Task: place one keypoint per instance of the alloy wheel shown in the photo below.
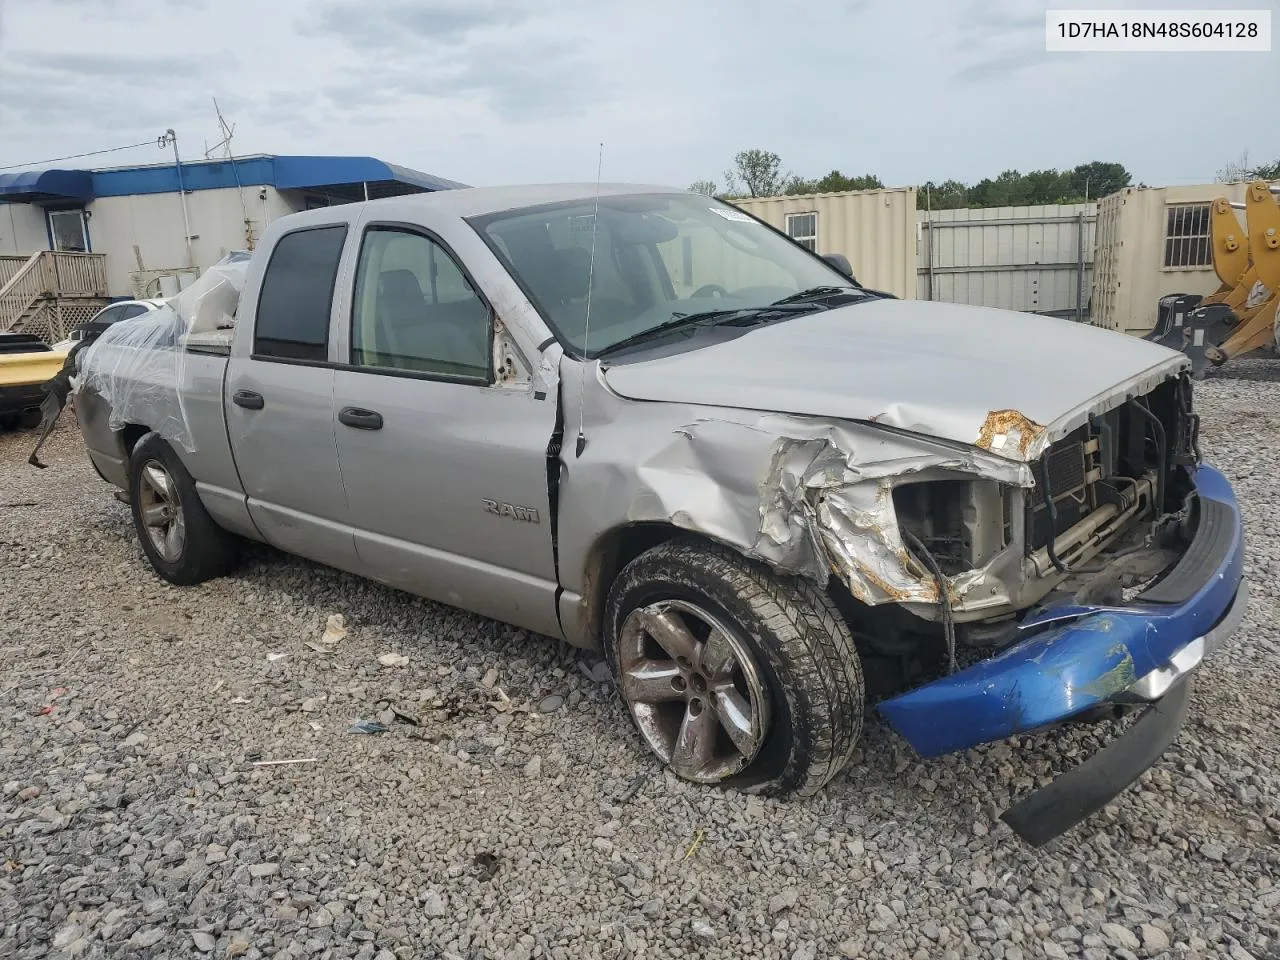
(161, 511)
(694, 690)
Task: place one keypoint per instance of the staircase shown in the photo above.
(51, 291)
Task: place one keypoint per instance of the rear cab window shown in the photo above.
(292, 322)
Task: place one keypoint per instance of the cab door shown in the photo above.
(279, 402)
(445, 469)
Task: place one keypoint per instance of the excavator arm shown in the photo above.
(1255, 295)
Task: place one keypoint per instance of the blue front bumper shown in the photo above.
(1083, 657)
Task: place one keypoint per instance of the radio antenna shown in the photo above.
(586, 326)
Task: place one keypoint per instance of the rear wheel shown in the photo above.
(732, 674)
(177, 534)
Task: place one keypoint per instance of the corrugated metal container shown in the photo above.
(875, 229)
(1153, 242)
(1016, 258)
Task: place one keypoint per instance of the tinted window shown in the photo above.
(293, 308)
(133, 310)
(109, 315)
(416, 310)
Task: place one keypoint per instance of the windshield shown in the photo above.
(657, 258)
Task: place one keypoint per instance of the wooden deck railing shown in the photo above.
(48, 273)
(10, 265)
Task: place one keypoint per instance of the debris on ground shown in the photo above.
(633, 787)
(368, 726)
(393, 660)
(486, 865)
(334, 630)
(405, 717)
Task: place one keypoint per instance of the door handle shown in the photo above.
(248, 399)
(360, 418)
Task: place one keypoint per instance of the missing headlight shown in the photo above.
(963, 523)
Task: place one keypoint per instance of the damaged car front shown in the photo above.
(1009, 512)
(1050, 569)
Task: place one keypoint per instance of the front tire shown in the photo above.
(732, 674)
(177, 534)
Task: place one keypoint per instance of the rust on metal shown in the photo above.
(1004, 430)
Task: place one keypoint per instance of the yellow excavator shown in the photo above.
(1243, 314)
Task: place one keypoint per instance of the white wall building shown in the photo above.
(159, 225)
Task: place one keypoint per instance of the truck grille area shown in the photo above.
(1101, 462)
(1064, 471)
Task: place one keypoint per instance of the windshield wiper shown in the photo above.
(817, 293)
(688, 321)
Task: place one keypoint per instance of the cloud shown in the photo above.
(1001, 66)
(494, 91)
(125, 97)
(998, 39)
(396, 24)
(447, 51)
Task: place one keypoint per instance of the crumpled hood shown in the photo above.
(1004, 381)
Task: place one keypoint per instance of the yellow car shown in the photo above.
(26, 364)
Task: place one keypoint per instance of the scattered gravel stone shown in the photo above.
(146, 937)
(203, 941)
(433, 906)
(1119, 936)
(784, 900)
(1154, 940)
(106, 846)
(703, 932)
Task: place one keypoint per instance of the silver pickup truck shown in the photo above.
(642, 420)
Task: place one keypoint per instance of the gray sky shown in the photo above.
(494, 91)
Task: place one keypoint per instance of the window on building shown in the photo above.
(416, 310)
(803, 229)
(67, 230)
(297, 293)
(1186, 237)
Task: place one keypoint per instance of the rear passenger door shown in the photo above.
(445, 469)
(279, 402)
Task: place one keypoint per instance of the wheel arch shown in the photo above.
(129, 435)
(606, 558)
(618, 546)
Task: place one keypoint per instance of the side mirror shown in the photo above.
(841, 263)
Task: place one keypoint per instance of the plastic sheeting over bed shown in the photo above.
(138, 366)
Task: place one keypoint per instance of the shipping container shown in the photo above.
(875, 229)
(1152, 242)
(1038, 259)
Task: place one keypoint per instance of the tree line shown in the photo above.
(760, 173)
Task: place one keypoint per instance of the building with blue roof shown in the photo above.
(172, 220)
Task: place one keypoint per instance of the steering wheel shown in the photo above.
(710, 290)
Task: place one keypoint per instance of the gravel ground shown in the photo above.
(510, 811)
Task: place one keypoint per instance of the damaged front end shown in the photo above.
(1131, 562)
(1008, 579)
